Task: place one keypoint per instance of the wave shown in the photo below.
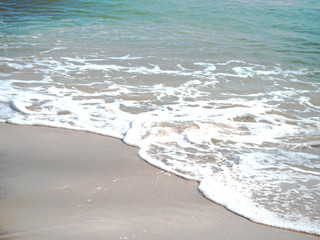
(247, 132)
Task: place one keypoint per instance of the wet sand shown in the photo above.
(62, 184)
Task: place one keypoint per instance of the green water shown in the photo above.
(264, 32)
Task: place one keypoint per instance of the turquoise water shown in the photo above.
(223, 92)
(284, 32)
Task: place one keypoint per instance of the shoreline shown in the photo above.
(65, 184)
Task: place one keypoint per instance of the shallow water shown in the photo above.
(226, 93)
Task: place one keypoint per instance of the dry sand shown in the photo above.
(61, 184)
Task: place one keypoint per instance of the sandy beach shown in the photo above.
(62, 184)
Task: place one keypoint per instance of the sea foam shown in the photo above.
(231, 125)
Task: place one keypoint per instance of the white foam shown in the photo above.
(20, 107)
(133, 135)
(243, 206)
(19, 66)
(305, 171)
(209, 66)
(243, 71)
(127, 57)
(53, 49)
(194, 122)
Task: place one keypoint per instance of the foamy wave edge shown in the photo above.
(270, 220)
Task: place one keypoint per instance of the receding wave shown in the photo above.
(233, 126)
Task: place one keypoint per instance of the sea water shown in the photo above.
(223, 92)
